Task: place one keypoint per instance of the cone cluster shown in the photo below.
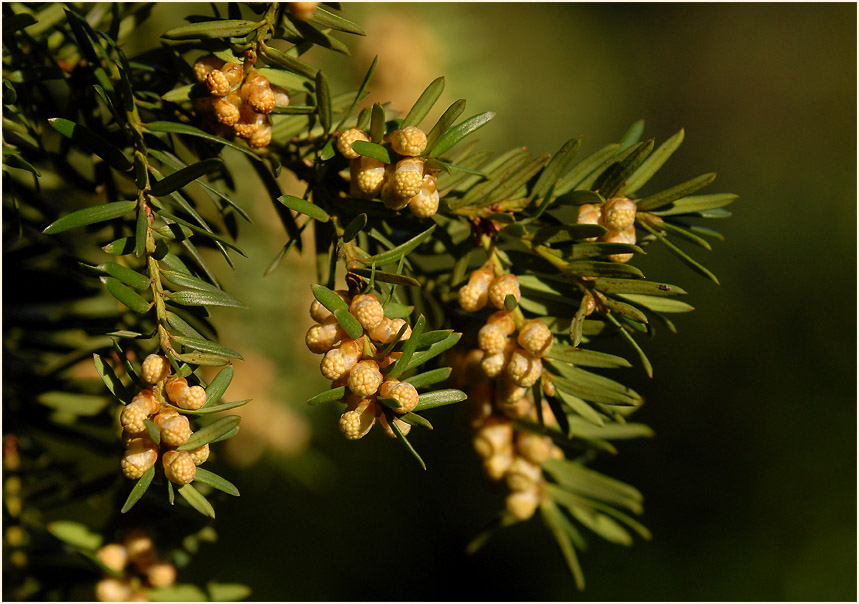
(406, 182)
(498, 377)
(617, 215)
(240, 101)
(136, 560)
(154, 404)
(357, 364)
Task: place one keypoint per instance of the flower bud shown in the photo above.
(518, 409)
(249, 122)
(227, 109)
(113, 555)
(425, 203)
(256, 92)
(491, 339)
(322, 338)
(140, 455)
(523, 475)
(139, 546)
(175, 387)
(409, 141)
(502, 287)
(205, 65)
(402, 392)
(367, 177)
(175, 428)
(192, 398)
(200, 454)
(155, 368)
(495, 435)
(549, 388)
(222, 81)
(389, 432)
(303, 11)
(524, 369)
(589, 214)
(355, 423)
(161, 574)
(339, 361)
(179, 468)
(535, 338)
(111, 589)
(345, 140)
(365, 378)
(473, 296)
(627, 236)
(261, 138)
(534, 447)
(502, 320)
(496, 465)
(408, 178)
(618, 213)
(368, 310)
(281, 96)
(140, 408)
(523, 504)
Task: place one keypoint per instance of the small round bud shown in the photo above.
(523, 475)
(345, 140)
(113, 555)
(589, 214)
(256, 92)
(261, 138)
(322, 338)
(175, 387)
(470, 298)
(227, 109)
(367, 177)
(408, 178)
(140, 408)
(493, 364)
(425, 203)
(179, 468)
(205, 65)
(155, 368)
(365, 378)
(491, 339)
(502, 320)
(303, 11)
(175, 428)
(281, 96)
(139, 546)
(627, 236)
(523, 504)
(618, 213)
(502, 287)
(389, 432)
(192, 398)
(357, 422)
(524, 369)
(249, 122)
(534, 447)
(535, 338)
(402, 392)
(519, 409)
(495, 435)
(339, 361)
(397, 325)
(368, 310)
(140, 455)
(508, 392)
(222, 81)
(161, 574)
(111, 589)
(200, 454)
(496, 465)
(409, 141)
(549, 388)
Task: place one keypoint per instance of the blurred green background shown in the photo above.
(750, 483)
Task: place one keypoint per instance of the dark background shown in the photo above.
(750, 483)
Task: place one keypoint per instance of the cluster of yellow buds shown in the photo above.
(405, 182)
(240, 100)
(357, 364)
(617, 215)
(137, 561)
(499, 375)
(141, 452)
